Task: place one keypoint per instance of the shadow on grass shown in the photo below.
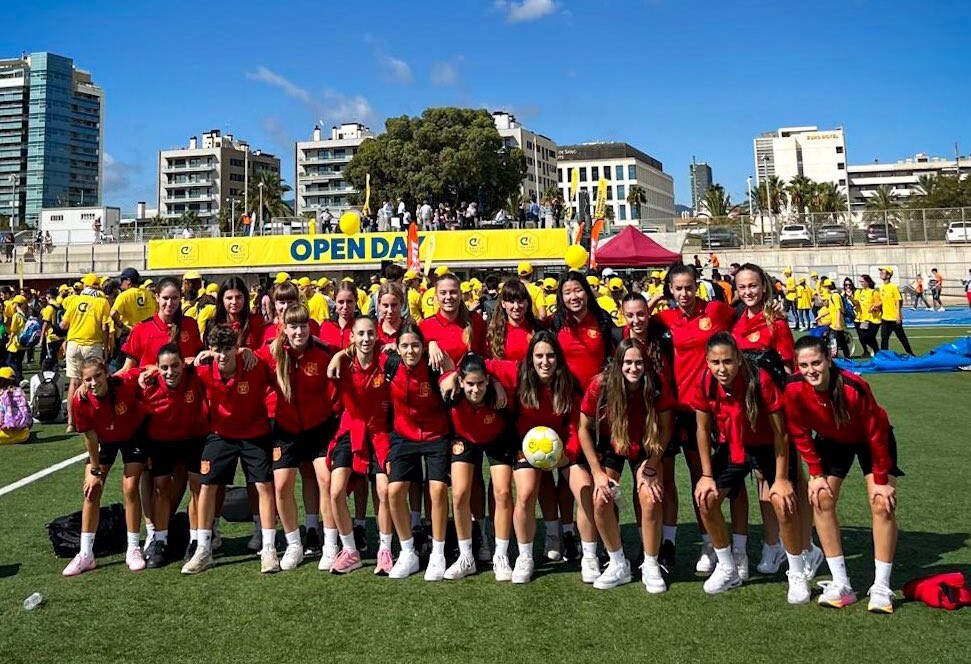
(56, 438)
(7, 571)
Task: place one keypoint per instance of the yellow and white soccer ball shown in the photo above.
(542, 448)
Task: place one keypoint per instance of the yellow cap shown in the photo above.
(813, 275)
(615, 284)
(281, 278)
(303, 282)
(788, 270)
(382, 280)
(549, 283)
(349, 280)
(802, 280)
(465, 287)
(550, 300)
(593, 281)
(91, 280)
(827, 282)
(524, 269)
(7, 372)
(655, 274)
(374, 288)
(475, 282)
(212, 288)
(200, 292)
(410, 274)
(19, 299)
(78, 285)
(323, 282)
(441, 271)
(887, 269)
(63, 288)
(147, 283)
(191, 275)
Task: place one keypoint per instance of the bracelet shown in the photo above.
(711, 477)
(649, 474)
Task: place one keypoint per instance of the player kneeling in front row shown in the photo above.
(747, 407)
(626, 416)
(106, 412)
(239, 430)
(833, 419)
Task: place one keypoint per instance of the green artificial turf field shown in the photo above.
(233, 614)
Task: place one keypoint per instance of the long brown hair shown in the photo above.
(613, 404)
(464, 315)
(563, 385)
(747, 370)
(295, 314)
(513, 290)
(837, 385)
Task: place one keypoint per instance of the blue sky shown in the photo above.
(674, 78)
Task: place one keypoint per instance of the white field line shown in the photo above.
(42, 473)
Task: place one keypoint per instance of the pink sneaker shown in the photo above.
(79, 565)
(385, 563)
(347, 561)
(135, 560)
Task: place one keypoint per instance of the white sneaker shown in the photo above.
(835, 595)
(200, 561)
(589, 569)
(292, 557)
(501, 568)
(773, 555)
(725, 577)
(812, 560)
(523, 571)
(615, 574)
(256, 541)
(269, 562)
(652, 579)
(707, 560)
(461, 568)
(881, 599)
(436, 568)
(405, 566)
(327, 557)
(741, 564)
(484, 554)
(798, 588)
(552, 549)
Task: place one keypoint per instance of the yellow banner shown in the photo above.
(574, 184)
(601, 208)
(485, 246)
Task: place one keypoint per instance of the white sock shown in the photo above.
(162, 535)
(360, 522)
(205, 540)
(669, 533)
(331, 536)
(438, 547)
(706, 539)
(616, 556)
(408, 545)
(650, 561)
(193, 535)
(502, 547)
(293, 537)
(882, 571)
(725, 556)
(465, 547)
(133, 541)
(552, 528)
(150, 530)
(269, 538)
(87, 544)
(795, 563)
(384, 541)
(526, 550)
(589, 549)
(415, 519)
(567, 528)
(347, 541)
(312, 522)
(837, 568)
(739, 542)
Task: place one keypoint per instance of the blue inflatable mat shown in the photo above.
(948, 356)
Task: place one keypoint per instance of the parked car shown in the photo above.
(832, 235)
(795, 235)
(881, 233)
(720, 237)
(959, 231)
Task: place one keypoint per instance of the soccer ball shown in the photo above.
(542, 448)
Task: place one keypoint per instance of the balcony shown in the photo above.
(203, 182)
(190, 199)
(329, 160)
(187, 167)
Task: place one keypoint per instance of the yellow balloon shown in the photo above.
(576, 257)
(350, 222)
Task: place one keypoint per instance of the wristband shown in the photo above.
(652, 473)
(711, 477)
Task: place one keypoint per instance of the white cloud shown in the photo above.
(264, 75)
(444, 73)
(329, 107)
(525, 10)
(397, 70)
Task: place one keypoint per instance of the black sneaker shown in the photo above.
(157, 555)
(571, 549)
(423, 544)
(666, 556)
(312, 546)
(190, 551)
(360, 539)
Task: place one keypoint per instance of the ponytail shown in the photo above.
(295, 314)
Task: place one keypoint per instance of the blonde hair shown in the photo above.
(613, 404)
(295, 314)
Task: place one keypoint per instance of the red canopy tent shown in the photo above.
(631, 248)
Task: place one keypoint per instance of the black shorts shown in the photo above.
(342, 456)
(130, 453)
(837, 458)
(685, 434)
(501, 452)
(762, 459)
(732, 476)
(404, 460)
(219, 456)
(166, 455)
(292, 449)
(375, 468)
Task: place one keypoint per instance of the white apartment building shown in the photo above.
(622, 166)
(902, 176)
(209, 174)
(540, 153)
(320, 168)
(791, 151)
(80, 225)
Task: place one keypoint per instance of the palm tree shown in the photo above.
(636, 197)
(926, 184)
(273, 190)
(800, 190)
(828, 198)
(552, 193)
(716, 203)
(883, 204)
(190, 218)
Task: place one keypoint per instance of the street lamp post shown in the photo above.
(751, 208)
(14, 203)
(768, 194)
(232, 214)
(260, 185)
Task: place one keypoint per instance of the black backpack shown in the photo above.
(46, 406)
(394, 361)
(111, 537)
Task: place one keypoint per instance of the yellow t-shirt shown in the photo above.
(838, 321)
(890, 299)
(608, 304)
(823, 315)
(363, 302)
(866, 298)
(414, 304)
(135, 305)
(429, 303)
(537, 297)
(87, 316)
(17, 324)
(207, 313)
(317, 304)
(49, 315)
(8, 309)
(791, 290)
(804, 297)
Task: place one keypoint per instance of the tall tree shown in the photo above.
(800, 190)
(828, 198)
(450, 155)
(273, 190)
(552, 193)
(716, 203)
(636, 197)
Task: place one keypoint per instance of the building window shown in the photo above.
(631, 172)
(606, 172)
(619, 171)
(841, 166)
(622, 212)
(559, 175)
(621, 192)
(610, 193)
(839, 149)
(583, 174)
(594, 173)
(842, 183)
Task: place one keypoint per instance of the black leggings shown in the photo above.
(842, 344)
(868, 337)
(889, 327)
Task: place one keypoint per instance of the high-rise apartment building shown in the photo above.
(791, 151)
(51, 136)
(700, 183)
(540, 153)
(320, 168)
